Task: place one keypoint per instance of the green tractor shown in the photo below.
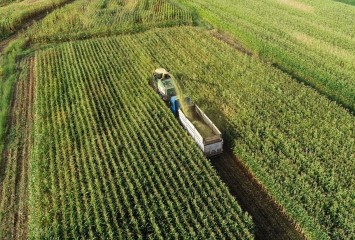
(163, 84)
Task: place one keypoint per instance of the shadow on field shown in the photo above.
(270, 222)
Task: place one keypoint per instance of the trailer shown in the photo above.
(199, 127)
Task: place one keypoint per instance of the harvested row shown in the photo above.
(104, 17)
(312, 40)
(110, 160)
(14, 161)
(298, 144)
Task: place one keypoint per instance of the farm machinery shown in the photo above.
(163, 84)
(192, 118)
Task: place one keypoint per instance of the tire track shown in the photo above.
(14, 184)
(269, 218)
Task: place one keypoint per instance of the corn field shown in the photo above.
(13, 15)
(104, 17)
(90, 151)
(299, 144)
(111, 161)
(312, 40)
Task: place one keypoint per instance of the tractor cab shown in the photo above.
(161, 74)
(163, 84)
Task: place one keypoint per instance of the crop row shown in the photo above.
(103, 17)
(298, 144)
(313, 41)
(350, 2)
(110, 160)
(13, 15)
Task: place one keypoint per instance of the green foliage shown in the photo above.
(5, 2)
(351, 2)
(311, 40)
(84, 19)
(8, 76)
(110, 160)
(13, 15)
(299, 144)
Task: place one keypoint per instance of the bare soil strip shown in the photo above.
(14, 177)
(4, 43)
(225, 37)
(21, 216)
(269, 219)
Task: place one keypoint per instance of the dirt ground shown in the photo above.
(269, 219)
(14, 162)
(224, 37)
